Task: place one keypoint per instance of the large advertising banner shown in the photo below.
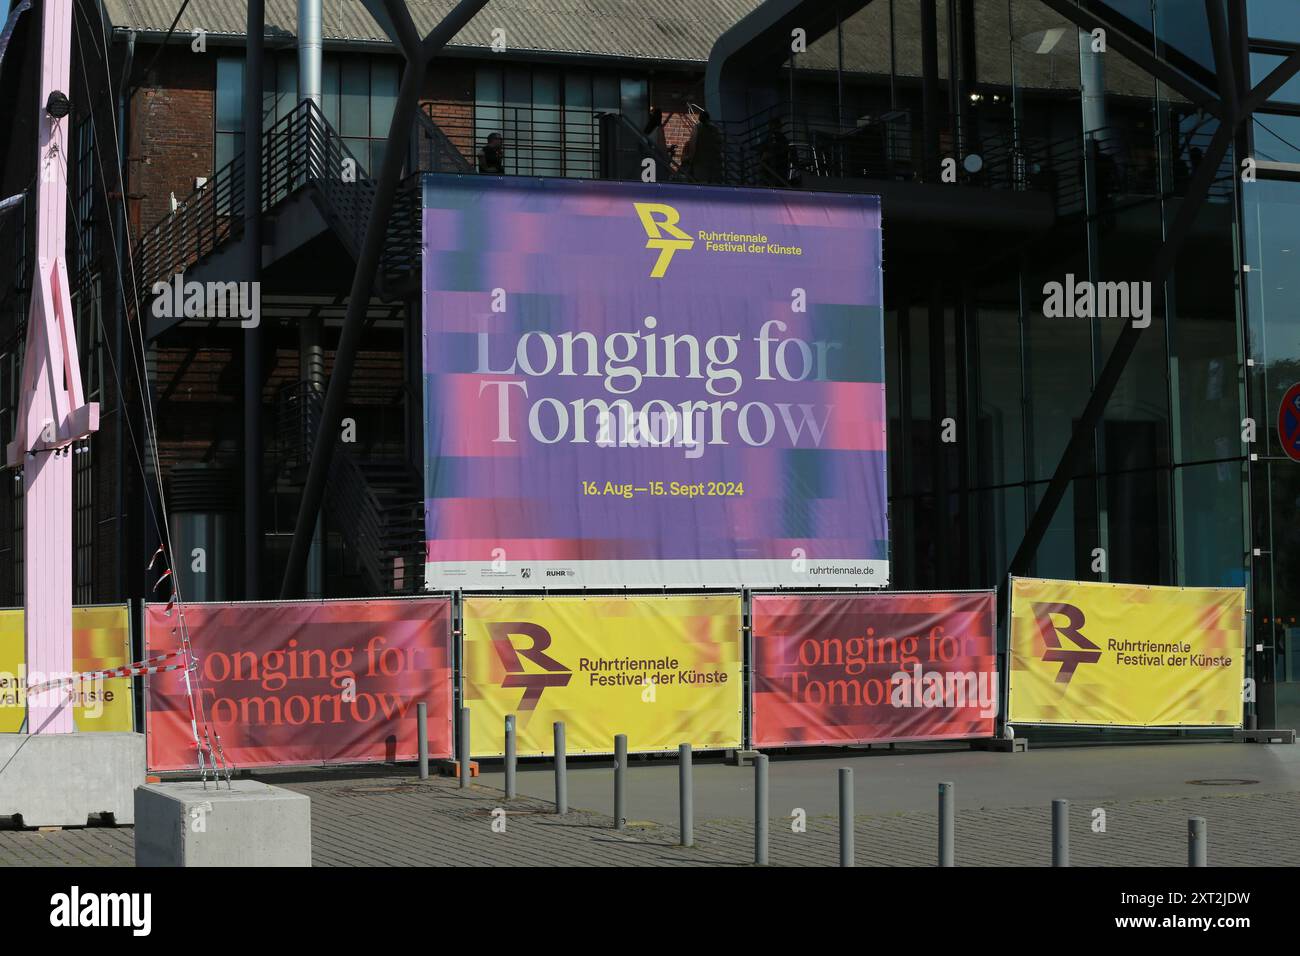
(1125, 655)
(662, 670)
(101, 640)
(652, 385)
(868, 668)
(305, 683)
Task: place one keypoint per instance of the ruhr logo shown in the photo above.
(655, 229)
(1083, 652)
(554, 673)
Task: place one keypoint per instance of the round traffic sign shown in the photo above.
(1288, 422)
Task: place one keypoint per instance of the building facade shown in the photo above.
(1016, 144)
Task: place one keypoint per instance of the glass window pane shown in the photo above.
(546, 123)
(286, 85)
(360, 149)
(604, 93)
(1262, 64)
(1277, 138)
(230, 93)
(1273, 20)
(579, 127)
(634, 101)
(354, 97)
(383, 96)
(329, 85)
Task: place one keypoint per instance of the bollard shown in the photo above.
(1060, 833)
(947, 800)
(561, 771)
(511, 787)
(1196, 841)
(464, 747)
(760, 810)
(422, 729)
(846, 817)
(686, 794)
(620, 781)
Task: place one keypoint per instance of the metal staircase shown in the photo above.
(300, 152)
(376, 504)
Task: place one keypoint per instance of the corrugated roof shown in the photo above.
(675, 30)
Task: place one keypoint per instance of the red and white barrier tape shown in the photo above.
(150, 665)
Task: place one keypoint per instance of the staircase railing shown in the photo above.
(300, 148)
(204, 220)
(386, 534)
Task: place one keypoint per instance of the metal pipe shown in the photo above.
(846, 817)
(686, 795)
(620, 781)
(252, 337)
(463, 749)
(947, 804)
(561, 771)
(309, 50)
(422, 729)
(511, 787)
(760, 810)
(1060, 833)
(1196, 842)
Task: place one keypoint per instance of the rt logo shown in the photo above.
(556, 674)
(1084, 651)
(655, 228)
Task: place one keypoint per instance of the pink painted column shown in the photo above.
(52, 410)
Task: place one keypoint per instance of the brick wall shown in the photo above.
(171, 131)
(449, 87)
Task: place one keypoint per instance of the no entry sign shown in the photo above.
(1288, 422)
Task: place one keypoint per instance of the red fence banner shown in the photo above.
(304, 682)
(868, 668)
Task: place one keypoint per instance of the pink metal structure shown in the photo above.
(53, 413)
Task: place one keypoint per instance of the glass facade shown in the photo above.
(1271, 255)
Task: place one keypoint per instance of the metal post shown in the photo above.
(422, 725)
(1196, 842)
(620, 781)
(252, 336)
(464, 748)
(511, 789)
(947, 802)
(760, 810)
(846, 817)
(686, 794)
(1060, 833)
(561, 771)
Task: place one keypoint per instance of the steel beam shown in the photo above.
(418, 54)
(1132, 50)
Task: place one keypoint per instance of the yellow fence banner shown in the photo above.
(664, 670)
(1126, 655)
(101, 639)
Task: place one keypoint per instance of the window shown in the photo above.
(549, 120)
(358, 95)
(229, 110)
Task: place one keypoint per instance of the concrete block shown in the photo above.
(1014, 745)
(61, 780)
(250, 824)
(741, 758)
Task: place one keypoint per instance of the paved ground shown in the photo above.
(387, 817)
